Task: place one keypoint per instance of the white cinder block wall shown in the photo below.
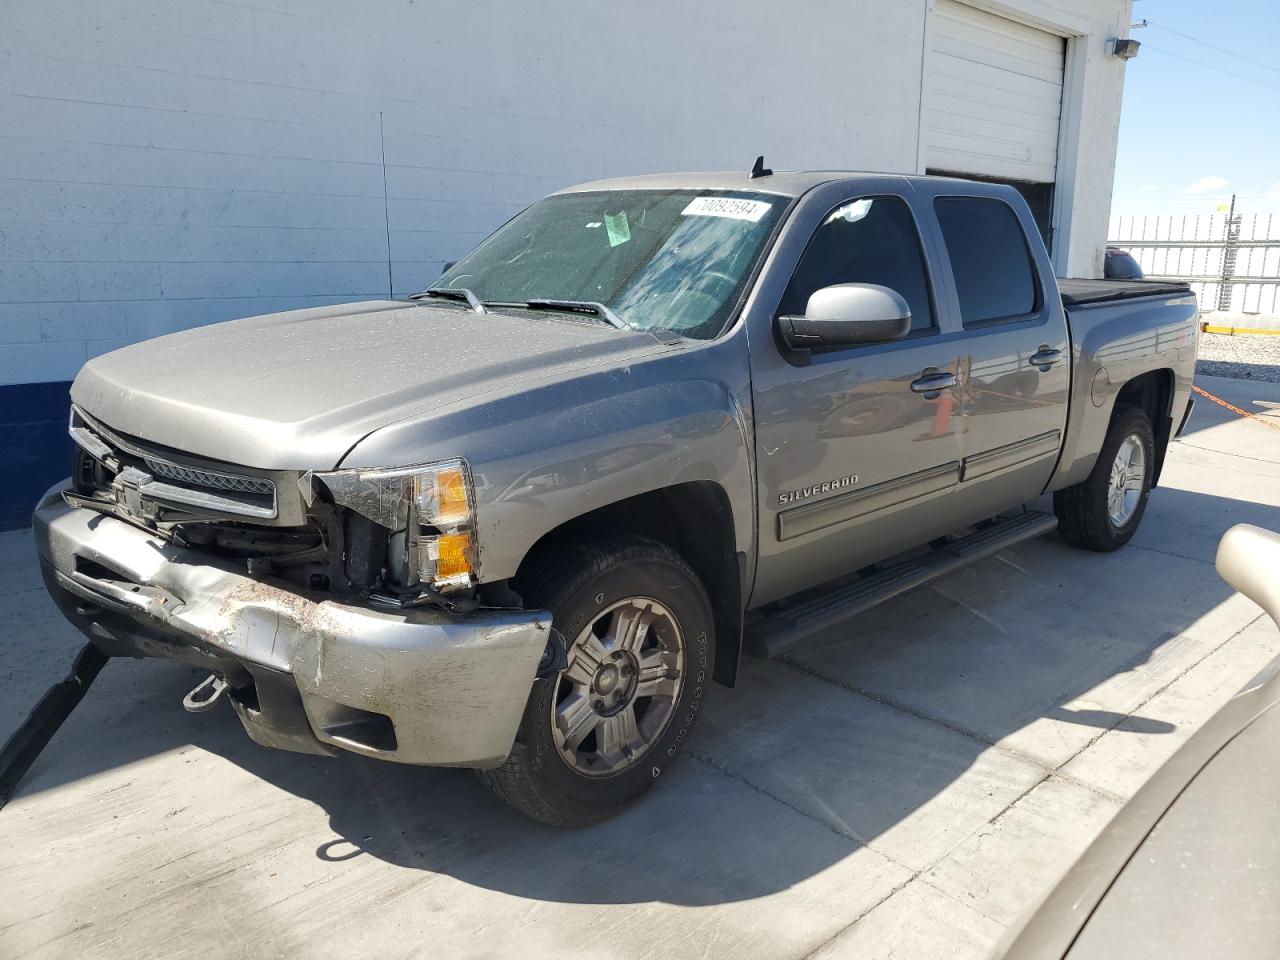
(174, 162)
(167, 163)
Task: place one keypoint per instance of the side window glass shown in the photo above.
(871, 240)
(989, 258)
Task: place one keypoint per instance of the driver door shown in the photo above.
(855, 458)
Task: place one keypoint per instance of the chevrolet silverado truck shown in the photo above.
(520, 522)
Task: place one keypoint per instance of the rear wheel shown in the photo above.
(638, 630)
(1103, 511)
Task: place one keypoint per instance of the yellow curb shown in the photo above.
(1251, 331)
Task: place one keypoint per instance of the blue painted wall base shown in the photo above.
(35, 451)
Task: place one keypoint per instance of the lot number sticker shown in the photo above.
(731, 207)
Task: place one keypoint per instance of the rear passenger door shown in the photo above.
(1015, 364)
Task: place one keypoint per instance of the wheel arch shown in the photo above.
(695, 519)
(1152, 392)
(1093, 409)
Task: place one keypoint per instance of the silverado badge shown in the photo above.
(803, 493)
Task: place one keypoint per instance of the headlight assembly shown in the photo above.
(430, 513)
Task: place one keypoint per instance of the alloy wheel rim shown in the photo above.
(1128, 475)
(618, 692)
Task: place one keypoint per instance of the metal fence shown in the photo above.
(1231, 260)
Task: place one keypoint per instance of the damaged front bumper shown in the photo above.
(304, 672)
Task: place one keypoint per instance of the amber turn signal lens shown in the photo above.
(453, 555)
(451, 495)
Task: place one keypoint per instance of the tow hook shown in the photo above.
(206, 694)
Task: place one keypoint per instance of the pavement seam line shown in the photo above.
(1049, 777)
(724, 769)
(1157, 692)
(921, 875)
(1224, 453)
(954, 899)
(850, 836)
(1046, 774)
(1059, 774)
(1170, 553)
(1035, 762)
(894, 891)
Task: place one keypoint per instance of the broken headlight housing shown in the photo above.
(429, 512)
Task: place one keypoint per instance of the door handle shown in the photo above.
(1044, 358)
(931, 384)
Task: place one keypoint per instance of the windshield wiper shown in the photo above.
(461, 294)
(580, 306)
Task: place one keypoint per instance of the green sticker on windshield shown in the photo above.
(619, 229)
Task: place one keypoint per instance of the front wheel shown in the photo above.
(638, 627)
(1103, 511)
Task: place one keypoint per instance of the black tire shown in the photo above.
(578, 584)
(1083, 517)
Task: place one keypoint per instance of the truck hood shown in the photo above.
(297, 390)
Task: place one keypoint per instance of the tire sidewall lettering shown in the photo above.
(680, 733)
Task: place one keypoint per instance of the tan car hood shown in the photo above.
(298, 390)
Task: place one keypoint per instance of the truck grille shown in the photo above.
(144, 482)
(207, 478)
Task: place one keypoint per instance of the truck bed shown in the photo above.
(1077, 292)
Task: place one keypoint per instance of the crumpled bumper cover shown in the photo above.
(414, 686)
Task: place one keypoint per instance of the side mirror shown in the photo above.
(846, 314)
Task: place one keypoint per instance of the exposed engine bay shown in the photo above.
(282, 524)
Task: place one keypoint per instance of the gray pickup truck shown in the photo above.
(521, 521)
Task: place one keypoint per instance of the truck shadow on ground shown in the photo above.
(803, 766)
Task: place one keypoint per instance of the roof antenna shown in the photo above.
(760, 170)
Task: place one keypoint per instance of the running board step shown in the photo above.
(782, 628)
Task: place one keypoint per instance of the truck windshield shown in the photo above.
(669, 260)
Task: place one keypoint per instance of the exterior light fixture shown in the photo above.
(1124, 48)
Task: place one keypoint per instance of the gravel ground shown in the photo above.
(1241, 356)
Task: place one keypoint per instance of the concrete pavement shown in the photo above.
(902, 787)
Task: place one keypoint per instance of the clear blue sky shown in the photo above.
(1190, 134)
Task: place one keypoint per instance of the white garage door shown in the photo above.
(994, 95)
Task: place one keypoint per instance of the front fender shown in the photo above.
(548, 453)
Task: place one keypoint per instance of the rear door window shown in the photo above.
(995, 280)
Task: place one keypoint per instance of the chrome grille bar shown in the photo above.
(199, 487)
(209, 478)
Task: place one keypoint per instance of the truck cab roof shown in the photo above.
(787, 183)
